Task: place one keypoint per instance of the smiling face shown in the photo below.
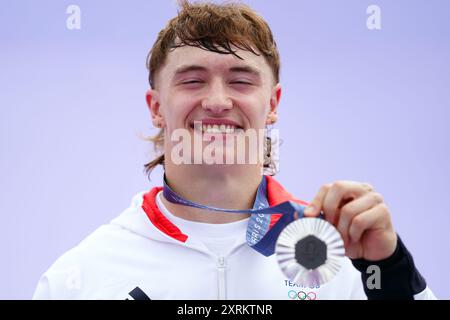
(217, 89)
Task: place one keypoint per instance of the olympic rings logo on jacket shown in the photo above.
(302, 295)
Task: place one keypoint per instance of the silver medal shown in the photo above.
(310, 251)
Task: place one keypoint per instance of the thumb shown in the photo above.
(314, 208)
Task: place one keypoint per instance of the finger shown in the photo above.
(339, 193)
(313, 209)
(372, 219)
(355, 207)
(368, 186)
(354, 250)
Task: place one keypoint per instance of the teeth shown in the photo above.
(223, 128)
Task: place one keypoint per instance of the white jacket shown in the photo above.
(141, 254)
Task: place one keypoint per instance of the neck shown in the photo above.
(227, 188)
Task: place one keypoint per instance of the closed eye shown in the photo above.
(191, 81)
(242, 82)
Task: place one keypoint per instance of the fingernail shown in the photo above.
(309, 210)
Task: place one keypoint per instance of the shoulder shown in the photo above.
(85, 266)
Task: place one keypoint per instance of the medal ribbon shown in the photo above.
(259, 236)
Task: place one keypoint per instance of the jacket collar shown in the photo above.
(275, 192)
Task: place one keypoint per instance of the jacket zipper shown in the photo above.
(221, 276)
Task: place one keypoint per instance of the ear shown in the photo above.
(153, 103)
(272, 117)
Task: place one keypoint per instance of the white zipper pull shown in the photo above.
(221, 277)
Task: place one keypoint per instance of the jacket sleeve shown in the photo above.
(398, 277)
(62, 281)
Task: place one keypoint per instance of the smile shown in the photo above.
(216, 126)
(208, 128)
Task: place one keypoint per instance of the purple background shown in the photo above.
(360, 105)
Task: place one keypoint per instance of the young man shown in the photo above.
(214, 71)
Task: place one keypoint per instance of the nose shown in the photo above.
(217, 100)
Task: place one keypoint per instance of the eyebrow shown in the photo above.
(236, 69)
(185, 69)
(247, 69)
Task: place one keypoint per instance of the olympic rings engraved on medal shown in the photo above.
(302, 295)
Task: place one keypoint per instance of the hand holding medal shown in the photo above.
(309, 248)
(361, 217)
